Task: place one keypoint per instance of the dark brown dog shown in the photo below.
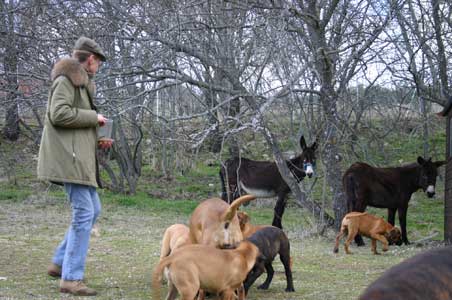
(370, 226)
(424, 276)
(215, 223)
(196, 267)
(270, 241)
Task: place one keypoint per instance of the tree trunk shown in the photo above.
(11, 128)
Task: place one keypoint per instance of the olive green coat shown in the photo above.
(68, 144)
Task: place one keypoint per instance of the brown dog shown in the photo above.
(175, 236)
(196, 267)
(368, 225)
(214, 222)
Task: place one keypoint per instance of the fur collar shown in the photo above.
(73, 70)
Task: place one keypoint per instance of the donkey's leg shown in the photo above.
(402, 220)
(279, 210)
(391, 216)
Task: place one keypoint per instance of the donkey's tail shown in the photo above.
(349, 185)
(224, 192)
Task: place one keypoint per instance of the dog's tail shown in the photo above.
(157, 277)
(232, 210)
(338, 238)
(166, 248)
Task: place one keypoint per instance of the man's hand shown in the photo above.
(101, 120)
(105, 143)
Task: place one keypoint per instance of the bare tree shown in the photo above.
(224, 77)
(337, 36)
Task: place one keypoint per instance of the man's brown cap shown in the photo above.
(87, 44)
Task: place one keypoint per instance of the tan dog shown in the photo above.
(368, 225)
(245, 226)
(175, 236)
(196, 267)
(214, 222)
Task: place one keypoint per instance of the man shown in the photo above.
(67, 156)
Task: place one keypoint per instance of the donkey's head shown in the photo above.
(427, 175)
(307, 158)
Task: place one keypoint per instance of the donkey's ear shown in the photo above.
(439, 163)
(302, 143)
(420, 160)
(315, 145)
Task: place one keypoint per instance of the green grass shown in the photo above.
(121, 260)
(11, 193)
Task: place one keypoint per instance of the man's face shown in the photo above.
(93, 64)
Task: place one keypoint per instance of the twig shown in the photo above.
(428, 238)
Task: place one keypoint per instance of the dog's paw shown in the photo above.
(262, 287)
(290, 289)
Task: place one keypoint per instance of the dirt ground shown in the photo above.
(121, 259)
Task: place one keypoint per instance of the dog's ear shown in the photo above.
(243, 217)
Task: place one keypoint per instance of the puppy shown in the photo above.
(270, 241)
(368, 225)
(196, 267)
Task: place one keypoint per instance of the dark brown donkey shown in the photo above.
(262, 178)
(389, 188)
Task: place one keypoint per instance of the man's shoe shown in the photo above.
(54, 270)
(76, 287)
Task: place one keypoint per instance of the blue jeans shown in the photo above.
(71, 252)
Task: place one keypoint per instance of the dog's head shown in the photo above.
(394, 236)
(243, 219)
